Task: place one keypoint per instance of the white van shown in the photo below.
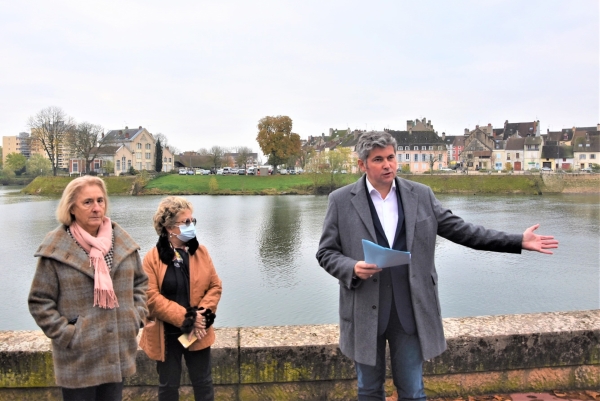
(251, 171)
(226, 170)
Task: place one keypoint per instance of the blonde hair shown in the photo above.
(168, 209)
(69, 195)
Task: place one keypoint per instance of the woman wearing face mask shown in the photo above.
(183, 292)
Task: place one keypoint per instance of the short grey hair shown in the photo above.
(69, 197)
(370, 140)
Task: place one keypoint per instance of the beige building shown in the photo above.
(16, 144)
(136, 148)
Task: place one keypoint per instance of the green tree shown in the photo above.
(158, 162)
(276, 139)
(38, 165)
(49, 129)
(16, 162)
(109, 167)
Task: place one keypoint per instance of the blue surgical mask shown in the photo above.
(187, 232)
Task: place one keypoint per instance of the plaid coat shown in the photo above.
(101, 346)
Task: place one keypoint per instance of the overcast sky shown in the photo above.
(204, 72)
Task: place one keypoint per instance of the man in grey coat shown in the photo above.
(398, 304)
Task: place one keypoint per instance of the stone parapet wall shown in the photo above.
(532, 352)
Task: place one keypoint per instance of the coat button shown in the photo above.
(374, 307)
(374, 280)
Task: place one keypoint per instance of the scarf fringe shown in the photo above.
(105, 299)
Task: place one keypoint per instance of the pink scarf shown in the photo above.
(97, 248)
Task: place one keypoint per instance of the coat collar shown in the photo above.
(410, 201)
(60, 246)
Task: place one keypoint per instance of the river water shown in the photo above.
(263, 248)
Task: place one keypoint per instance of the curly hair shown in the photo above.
(166, 214)
(69, 196)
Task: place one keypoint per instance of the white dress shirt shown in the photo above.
(387, 210)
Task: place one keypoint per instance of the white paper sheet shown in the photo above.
(384, 257)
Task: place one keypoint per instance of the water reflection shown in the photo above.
(264, 251)
(279, 241)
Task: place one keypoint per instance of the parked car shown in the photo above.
(586, 170)
(242, 171)
(283, 171)
(546, 169)
(446, 169)
(292, 171)
(199, 171)
(220, 171)
(234, 170)
(251, 171)
(226, 170)
(299, 170)
(182, 171)
(190, 172)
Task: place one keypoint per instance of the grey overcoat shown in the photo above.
(101, 346)
(348, 220)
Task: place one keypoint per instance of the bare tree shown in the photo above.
(163, 140)
(49, 129)
(243, 153)
(86, 141)
(216, 154)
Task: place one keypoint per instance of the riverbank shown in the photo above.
(54, 186)
(305, 184)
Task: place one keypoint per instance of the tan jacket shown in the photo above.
(205, 291)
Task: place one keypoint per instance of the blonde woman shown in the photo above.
(89, 295)
(183, 292)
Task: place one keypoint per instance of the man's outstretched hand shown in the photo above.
(539, 243)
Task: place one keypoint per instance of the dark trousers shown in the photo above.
(407, 365)
(169, 372)
(103, 392)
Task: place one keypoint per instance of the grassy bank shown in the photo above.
(235, 184)
(481, 184)
(172, 184)
(54, 186)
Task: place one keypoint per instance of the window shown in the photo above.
(75, 167)
(164, 160)
(407, 157)
(416, 157)
(416, 147)
(169, 160)
(96, 164)
(440, 157)
(128, 164)
(148, 146)
(425, 167)
(440, 148)
(439, 166)
(431, 148)
(118, 168)
(582, 157)
(592, 156)
(423, 147)
(517, 156)
(407, 148)
(139, 145)
(423, 157)
(498, 155)
(148, 155)
(147, 165)
(139, 165)
(138, 155)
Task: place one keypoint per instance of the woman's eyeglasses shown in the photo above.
(187, 222)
